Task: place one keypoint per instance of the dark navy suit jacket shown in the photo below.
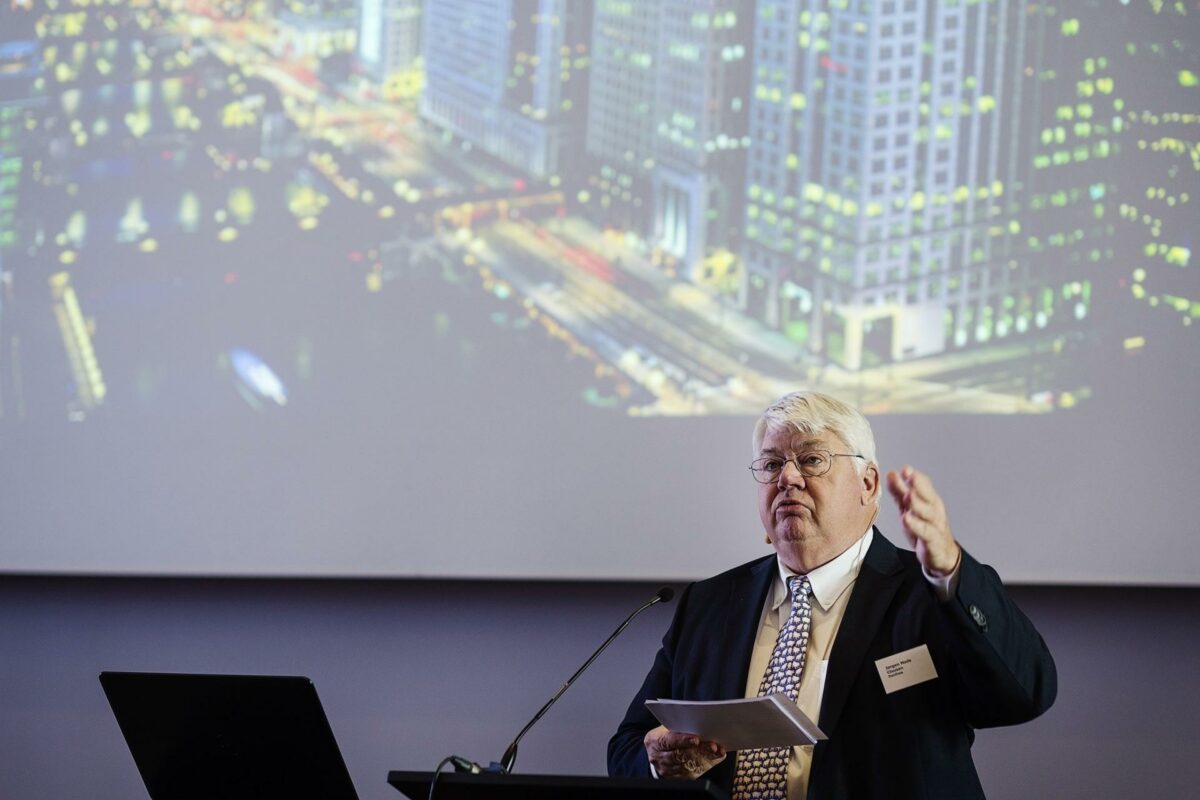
(993, 669)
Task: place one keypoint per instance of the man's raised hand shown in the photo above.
(923, 517)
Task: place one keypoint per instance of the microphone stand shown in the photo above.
(505, 764)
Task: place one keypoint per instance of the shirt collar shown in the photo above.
(829, 580)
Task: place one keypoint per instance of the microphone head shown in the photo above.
(664, 594)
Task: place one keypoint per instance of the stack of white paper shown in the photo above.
(771, 721)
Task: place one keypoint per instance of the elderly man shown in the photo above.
(813, 619)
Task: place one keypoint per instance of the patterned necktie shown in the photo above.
(762, 773)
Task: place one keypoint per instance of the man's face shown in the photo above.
(812, 520)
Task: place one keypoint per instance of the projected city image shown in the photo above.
(658, 208)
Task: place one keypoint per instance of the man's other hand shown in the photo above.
(681, 755)
(923, 517)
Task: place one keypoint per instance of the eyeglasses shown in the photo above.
(812, 464)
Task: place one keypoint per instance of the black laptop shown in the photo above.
(228, 737)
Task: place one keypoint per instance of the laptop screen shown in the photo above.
(228, 737)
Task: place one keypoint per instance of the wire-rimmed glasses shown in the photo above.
(812, 464)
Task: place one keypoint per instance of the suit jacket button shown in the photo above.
(978, 616)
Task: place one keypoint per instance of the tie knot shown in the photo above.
(800, 587)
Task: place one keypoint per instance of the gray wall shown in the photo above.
(412, 671)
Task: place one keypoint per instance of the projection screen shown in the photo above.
(497, 289)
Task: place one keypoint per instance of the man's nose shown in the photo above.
(790, 474)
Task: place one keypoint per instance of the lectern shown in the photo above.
(495, 786)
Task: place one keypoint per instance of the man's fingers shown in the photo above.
(662, 740)
(909, 486)
(896, 485)
(925, 511)
(679, 741)
(692, 762)
(923, 515)
(917, 527)
(913, 491)
(665, 741)
(927, 523)
(681, 755)
(922, 486)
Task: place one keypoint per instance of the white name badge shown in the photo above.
(906, 669)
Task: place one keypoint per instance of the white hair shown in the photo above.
(813, 413)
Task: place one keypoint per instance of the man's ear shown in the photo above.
(870, 485)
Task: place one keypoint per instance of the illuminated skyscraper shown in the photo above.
(389, 36)
(888, 175)
(861, 135)
(667, 124)
(317, 28)
(1135, 110)
(20, 70)
(510, 77)
(621, 119)
(1070, 178)
(700, 115)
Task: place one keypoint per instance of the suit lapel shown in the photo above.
(878, 579)
(746, 598)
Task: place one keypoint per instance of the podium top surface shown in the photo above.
(493, 786)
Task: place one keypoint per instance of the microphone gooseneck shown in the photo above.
(505, 764)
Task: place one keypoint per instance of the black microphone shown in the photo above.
(505, 764)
